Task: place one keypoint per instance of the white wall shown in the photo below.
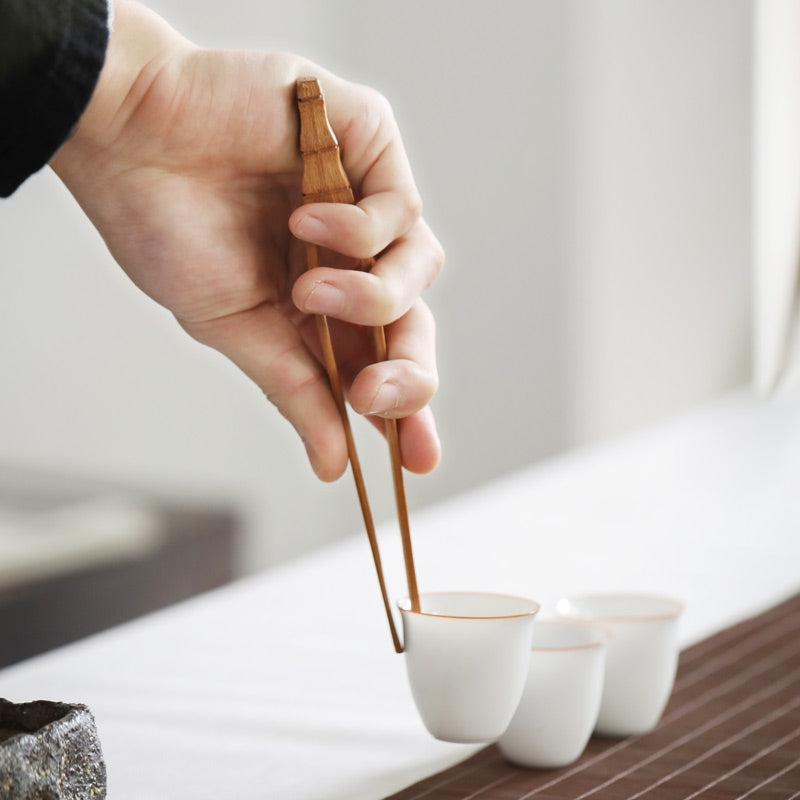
(587, 168)
(776, 193)
(657, 217)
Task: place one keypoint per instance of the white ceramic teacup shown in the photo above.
(559, 705)
(467, 659)
(642, 656)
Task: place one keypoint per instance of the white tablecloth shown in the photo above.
(284, 686)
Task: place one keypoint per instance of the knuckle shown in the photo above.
(438, 257)
(287, 378)
(386, 305)
(414, 205)
(371, 118)
(378, 104)
(432, 383)
(381, 299)
(435, 253)
(422, 386)
(367, 244)
(426, 315)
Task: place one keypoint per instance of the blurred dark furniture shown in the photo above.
(195, 551)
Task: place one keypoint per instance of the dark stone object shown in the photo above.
(50, 751)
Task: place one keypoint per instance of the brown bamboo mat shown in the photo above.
(731, 731)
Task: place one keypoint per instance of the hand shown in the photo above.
(187, 162)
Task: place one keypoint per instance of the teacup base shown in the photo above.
(623, 731)
(445, 736)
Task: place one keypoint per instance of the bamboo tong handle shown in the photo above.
(325, 181)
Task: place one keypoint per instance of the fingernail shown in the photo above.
(387, 398)
(312, 229)
(324, 298)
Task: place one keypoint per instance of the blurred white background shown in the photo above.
(587, 167)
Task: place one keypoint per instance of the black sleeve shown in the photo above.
(51, 53)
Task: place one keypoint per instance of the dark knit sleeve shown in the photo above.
(51, 54)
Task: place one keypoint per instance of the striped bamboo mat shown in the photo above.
(731, 731)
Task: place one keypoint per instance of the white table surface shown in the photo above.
(285, 685)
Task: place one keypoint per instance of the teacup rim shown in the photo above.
(677, 609)
(603, 639)
(535, 610)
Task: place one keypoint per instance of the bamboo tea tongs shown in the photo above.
(325, 181)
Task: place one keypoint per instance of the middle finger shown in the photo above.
(380, 296)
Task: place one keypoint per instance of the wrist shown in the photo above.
(140, 44)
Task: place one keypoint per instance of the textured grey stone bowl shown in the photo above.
(49, 751)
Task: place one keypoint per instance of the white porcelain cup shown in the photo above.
(561, 700)
(641, 660)
(467, 659)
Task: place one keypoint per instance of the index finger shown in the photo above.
(371, 145)
(377, 166)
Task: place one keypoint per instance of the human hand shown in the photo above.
(187, 162)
